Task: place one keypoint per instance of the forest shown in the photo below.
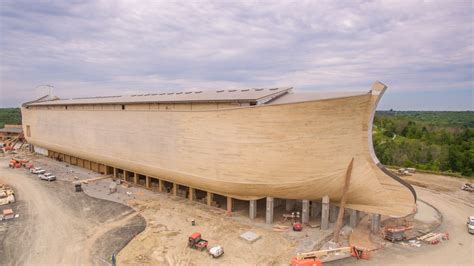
(10, 116)
(434, 141)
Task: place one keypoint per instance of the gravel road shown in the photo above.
(60, 227)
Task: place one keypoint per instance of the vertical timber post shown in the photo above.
(160, 185)
(340, 216)
(229, 205)
(209, 198)
(175, 189)
(147, 181)
(191, 194)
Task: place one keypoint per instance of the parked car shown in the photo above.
(470, 224)
(37, 170)
(47, 177)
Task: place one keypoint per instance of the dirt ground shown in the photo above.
(164, 241)
(57, 226)
(443, 192)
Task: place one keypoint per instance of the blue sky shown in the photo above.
(423, 50)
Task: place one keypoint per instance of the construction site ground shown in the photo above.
(57, 226)
(151, 228)
(455, 205)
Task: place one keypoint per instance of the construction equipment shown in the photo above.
(195, 241)
(14, 163)
(396, 233)
(318, 257)
(216, 252)
(297, 226)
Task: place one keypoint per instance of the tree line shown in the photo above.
(435, 141)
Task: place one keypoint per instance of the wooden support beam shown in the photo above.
(147, 181)
(175, 189)
(160, 185)
(191, 194)
(337, 229)
(209, 198)
(229, 205)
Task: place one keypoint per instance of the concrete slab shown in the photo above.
(250, 236)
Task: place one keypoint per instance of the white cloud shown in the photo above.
(98, 47)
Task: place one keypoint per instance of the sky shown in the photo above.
(422, 50)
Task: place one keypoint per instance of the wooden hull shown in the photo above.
(291, 151)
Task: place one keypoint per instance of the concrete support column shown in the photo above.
(333, 212)
(375, 224)
(289, 204)
(175, 189)
(315, 209)
(269, 211)
(147, 181)
(135, 178)
(115, 172)
(125, 174)
(229, 205)
(325, 213)
(354, 218)
(191, 194)
(252, 209)
(305, 212)
(209, 198)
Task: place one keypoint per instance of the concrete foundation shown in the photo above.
(269, 211)
(289, 205)
(325, 213)
(333, 212)
(375, 224)
(305, 212)
(354, 218)
(252, 209)
(315, 209)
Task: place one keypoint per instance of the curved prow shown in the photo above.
(378, 89)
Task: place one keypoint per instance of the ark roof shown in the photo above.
(232, 95)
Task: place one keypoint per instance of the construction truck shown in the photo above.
(195, 241)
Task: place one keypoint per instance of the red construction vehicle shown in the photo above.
(297, 226)
(195, 241)
(14, 163)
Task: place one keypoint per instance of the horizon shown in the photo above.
(96, 48)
